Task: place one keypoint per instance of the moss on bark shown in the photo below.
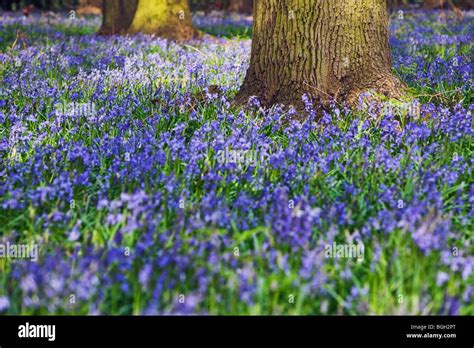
(170, 19)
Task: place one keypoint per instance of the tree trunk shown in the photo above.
(392, 5)
(89, 7)
(241, 6)
(170, 19)
(466, 4)
(323, 48)
(431, 4)
(434, 4)
(117, 16)
(444, 4)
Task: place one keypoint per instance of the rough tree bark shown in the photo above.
(241, 6)
(117, 16)
(170, 19)
(324, 48)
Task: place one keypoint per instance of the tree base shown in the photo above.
(109, 32)
(387, 86)
(173, 33)
(291, 96)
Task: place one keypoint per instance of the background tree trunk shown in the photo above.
(89, 7)
(324, 48)
(431, 4)
(466, 4)
(166, 18)
(241, 6)
(444, 4)
(435, 4)
(392, 5)
(117, 16)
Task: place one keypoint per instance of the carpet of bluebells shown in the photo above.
(136, 211)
